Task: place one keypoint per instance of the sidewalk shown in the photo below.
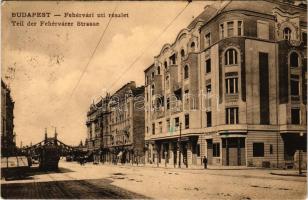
(289, 172)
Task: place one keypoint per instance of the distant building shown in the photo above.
(235, 82)
(8, 145)
(116, 125)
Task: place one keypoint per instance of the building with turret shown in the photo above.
(231, 87)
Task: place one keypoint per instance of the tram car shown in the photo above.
(49, 158)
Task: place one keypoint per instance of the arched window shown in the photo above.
(192, 46)
(158, 70)
(231, 57)
(152, 75)
(287, 33)
(182, 53)
(153, 88)
(186, 72)
(165, 64)
(294, 59)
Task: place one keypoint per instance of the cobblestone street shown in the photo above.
(109, 181)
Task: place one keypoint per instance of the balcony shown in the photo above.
(176, 107)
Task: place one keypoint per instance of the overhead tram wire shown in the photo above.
(145, 49)
(91, 57)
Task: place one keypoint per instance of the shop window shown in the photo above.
(295, 116)
(232, 115)
(208, 119)
(216, 149)
(258, 149)
(287, 33)
(208, 66)
(231, 57)
(187, 121)
(186, 72)
(294, 59)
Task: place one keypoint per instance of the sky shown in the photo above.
(42, 65)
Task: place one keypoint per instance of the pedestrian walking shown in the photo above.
(205, 162)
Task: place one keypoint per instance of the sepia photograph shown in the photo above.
(182, 99)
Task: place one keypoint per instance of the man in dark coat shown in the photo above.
(205, 162)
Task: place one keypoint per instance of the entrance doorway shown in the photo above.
(292, 143)
(233, 151)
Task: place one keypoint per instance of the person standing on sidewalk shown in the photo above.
(205, 162)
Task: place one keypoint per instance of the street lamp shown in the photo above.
(300, 158)
(180, 141)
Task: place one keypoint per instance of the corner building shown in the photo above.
(232, 87)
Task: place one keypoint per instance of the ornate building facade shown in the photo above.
(116, 126)
(232, 87)
(8, 144)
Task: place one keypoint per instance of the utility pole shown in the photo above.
(180, 141)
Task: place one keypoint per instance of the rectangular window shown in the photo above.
(295, 115)
(230, 29)
(208, 66)
(168, 125)
(231, 85)
(207, 40)
(239, 28)
(222, 31)
(294, 86)
(208, 119)
(172, 60)
(186, 121)
(263, 29)
(216, 149)
(258, 149)
(153, 129)
(168, 103)
(264, 90)
(177, 122)
(271, 149)
(232, 115)
(160, 124)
